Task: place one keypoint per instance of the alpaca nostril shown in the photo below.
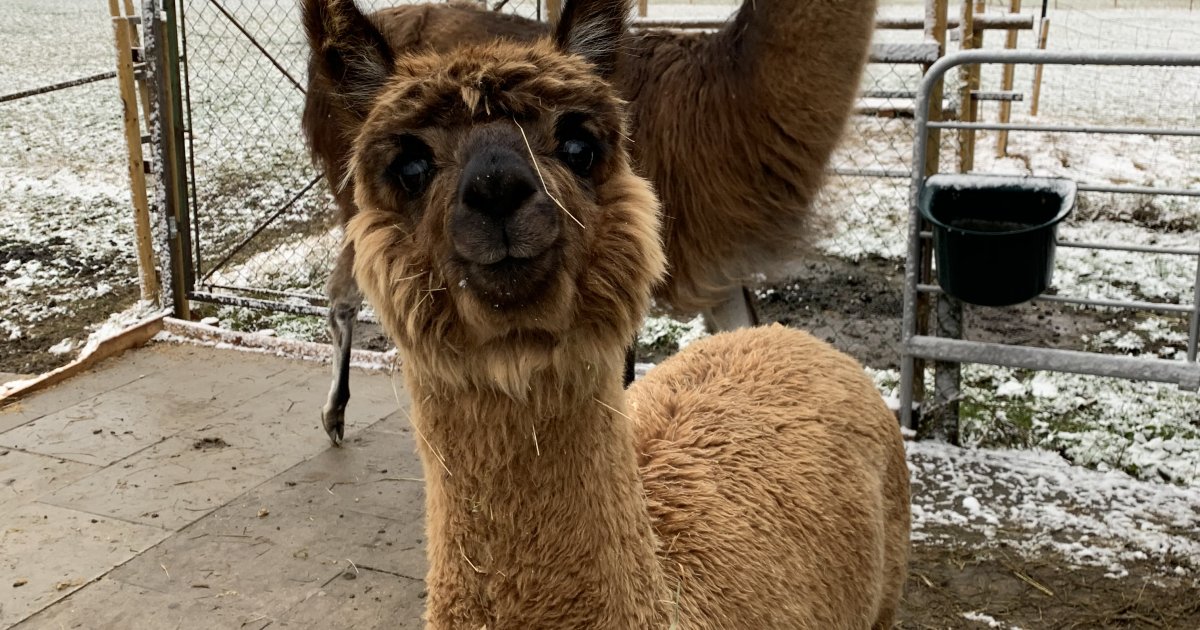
(496, 182)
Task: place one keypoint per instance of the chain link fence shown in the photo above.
(262, 216)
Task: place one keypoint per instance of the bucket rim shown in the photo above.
(1063, 186)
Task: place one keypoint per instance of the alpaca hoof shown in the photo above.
(335, 424)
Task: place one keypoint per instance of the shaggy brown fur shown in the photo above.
(734, 129)
(756, 480)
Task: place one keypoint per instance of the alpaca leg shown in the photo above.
(344, 302)
(735, 311)
(631, 362)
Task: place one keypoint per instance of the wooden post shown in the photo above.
(643, 7)
(553, 10)
(935, 30)
(968, 107)
(1006, 84)
(135, 41)
(147, 273)
(1037, 70)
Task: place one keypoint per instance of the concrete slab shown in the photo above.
(100, 430)
(25, 476)
(376, 473)
(283, 543)
(113, 605)
(172, 483)
(218, 457)
(372, 398)
(367, 600)
(208, 380)
(106, 376)
(50, 552)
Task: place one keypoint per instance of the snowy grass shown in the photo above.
(1035, 502)
(1149, 431)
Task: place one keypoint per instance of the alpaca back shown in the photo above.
(776, 482)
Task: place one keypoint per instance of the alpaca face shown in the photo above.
(497, 205)
(497, 189)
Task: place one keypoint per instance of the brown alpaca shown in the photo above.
(755, 480)
(733, 128)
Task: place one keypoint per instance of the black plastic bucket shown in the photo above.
(994, 235)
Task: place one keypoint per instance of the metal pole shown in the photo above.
(161, 139)
(947, 376)
(1194, 328)
(46, 89)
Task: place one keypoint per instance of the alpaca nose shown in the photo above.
(496, 182)
(501, 212)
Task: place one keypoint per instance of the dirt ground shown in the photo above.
(28, 354)
(857, 305)
(944, 583)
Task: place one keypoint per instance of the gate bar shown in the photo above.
(1183, 373)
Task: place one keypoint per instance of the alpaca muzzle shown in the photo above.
(504, 226)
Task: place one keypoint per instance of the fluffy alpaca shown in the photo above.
(755, 480)
(733, 128)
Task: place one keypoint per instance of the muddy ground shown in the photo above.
(946, 583)
(71, 312)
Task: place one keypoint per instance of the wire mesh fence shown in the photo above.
(262, 215)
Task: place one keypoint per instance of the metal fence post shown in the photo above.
(947, 377)
(170, 183)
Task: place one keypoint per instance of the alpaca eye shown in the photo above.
(578, 155)
(413, 167)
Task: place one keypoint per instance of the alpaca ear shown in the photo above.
(594, 30)
(348, 49)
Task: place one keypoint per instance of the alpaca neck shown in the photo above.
(536, 514)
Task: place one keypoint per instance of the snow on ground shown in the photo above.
(1148, 430)
(1034, 501)
(987, 620)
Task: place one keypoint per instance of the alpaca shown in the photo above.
(734, 129)
(754, 480)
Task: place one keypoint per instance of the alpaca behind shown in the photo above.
(755, 480)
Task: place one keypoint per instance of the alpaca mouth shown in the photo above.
(512, 282)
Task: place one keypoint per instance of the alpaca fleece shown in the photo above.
(755, 480)
(776, 483)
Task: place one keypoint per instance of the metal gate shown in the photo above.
(947, 344)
